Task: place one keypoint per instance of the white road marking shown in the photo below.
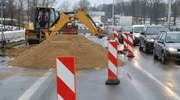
(176, 96)
(28, 93)
(173, 94)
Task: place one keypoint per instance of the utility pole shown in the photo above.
(113, 14)
(169, 13)
(28, 13)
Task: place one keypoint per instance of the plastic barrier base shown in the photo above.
(131, 56)
(113, 82)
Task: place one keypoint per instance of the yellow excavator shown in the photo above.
(48, 23)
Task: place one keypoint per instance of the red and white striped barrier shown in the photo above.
(112, 63)
(130, 45)
(66, 78)
(116, 35)
(125, 40)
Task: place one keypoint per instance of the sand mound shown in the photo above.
(88, 54)
(14, 52)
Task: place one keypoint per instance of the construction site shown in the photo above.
(80, 53)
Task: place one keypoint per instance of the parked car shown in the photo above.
(149, 36)
(127, 29)
(167, 47)
(137, 30)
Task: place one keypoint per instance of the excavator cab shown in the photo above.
(44, 18)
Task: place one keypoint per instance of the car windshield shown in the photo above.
(127, 29)
(138, 29)
(156, 30)
(173, 38)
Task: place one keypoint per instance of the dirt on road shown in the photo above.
(87, 53)
(14, 52)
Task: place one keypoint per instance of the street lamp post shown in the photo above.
(169, 13)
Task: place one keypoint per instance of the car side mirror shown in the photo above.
(160, 41)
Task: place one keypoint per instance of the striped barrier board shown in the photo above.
(112, 63)
(66, 78)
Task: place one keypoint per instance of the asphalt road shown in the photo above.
(142, 78)
(15, 81)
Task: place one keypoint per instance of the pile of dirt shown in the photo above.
(14, 52)
(87, 53)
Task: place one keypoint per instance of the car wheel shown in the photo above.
(140, 47)
(163, 59)
(154, 55)
(145, 49)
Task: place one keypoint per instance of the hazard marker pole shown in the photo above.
(66, 78)
(116, 35)
(112, 63)
(130, 45)
(125, 41)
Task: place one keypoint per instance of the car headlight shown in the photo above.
(172, 49)
(137, 35)
(150, 40)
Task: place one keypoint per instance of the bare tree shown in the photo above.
(20, 16)
(47, 3)
(175, 10)
(84, 4)
(65, 5)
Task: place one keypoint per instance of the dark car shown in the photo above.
(149, 36)
(167, 47)
(127, 30)
(137, 30)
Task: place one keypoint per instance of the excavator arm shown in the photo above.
(40, 32)
(85, 19)
(59, 24)
(62, 20)
(81, 16)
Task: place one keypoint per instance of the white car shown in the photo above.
(137, 30)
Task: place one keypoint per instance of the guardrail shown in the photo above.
(13, 36)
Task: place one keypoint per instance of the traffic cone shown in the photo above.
(130, 46)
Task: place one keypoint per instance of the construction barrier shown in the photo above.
(130, 45)
(112, 63)
(66, 78)
(125, 41)
(116, 36)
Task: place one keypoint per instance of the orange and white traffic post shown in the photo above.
(130, 45)
(125, 41)
(66, 78)
(116, 36)
(112, 63)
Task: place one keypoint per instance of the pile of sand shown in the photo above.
(87, 53)
(14, 52)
